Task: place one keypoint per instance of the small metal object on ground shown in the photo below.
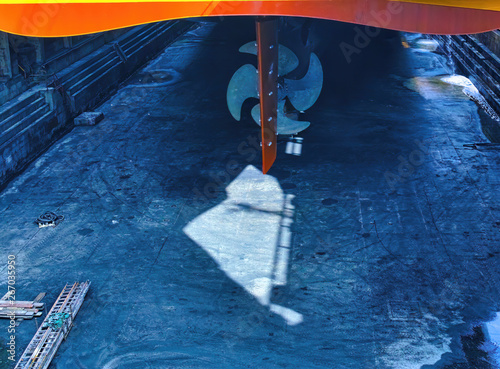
(89, 119)
(54, 328)
(49, 219)
(294, 146)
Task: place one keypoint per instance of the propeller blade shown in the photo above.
(249, 48)
(286, 126)
(304, 92)
(243, 85)
(288, 61)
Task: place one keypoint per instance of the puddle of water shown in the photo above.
(434, 88)
(425, 44)
(458, 87)
(417, 42)
(156, 78)
(451, 87)
(458, 80)
(489, 118)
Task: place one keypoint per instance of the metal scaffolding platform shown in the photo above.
(54, 328)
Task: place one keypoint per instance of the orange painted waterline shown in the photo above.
(70, 17)
(470, 4)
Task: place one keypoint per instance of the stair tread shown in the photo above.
(83, 82)
(78, 76)
(30, 108)
(19, 127)
(80, 65)
(94, 80)
(17, 103)
(34, 113)
(158, 31)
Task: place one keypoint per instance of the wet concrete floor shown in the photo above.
(377, 247)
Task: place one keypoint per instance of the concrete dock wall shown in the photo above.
(32, 121)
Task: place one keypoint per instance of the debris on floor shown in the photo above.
(49, 219)
(54, 328)
(89, 118)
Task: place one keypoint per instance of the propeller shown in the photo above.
(301, 94)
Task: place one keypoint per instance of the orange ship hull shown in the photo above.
(69, 18)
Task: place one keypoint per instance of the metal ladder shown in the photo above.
(47, 340)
